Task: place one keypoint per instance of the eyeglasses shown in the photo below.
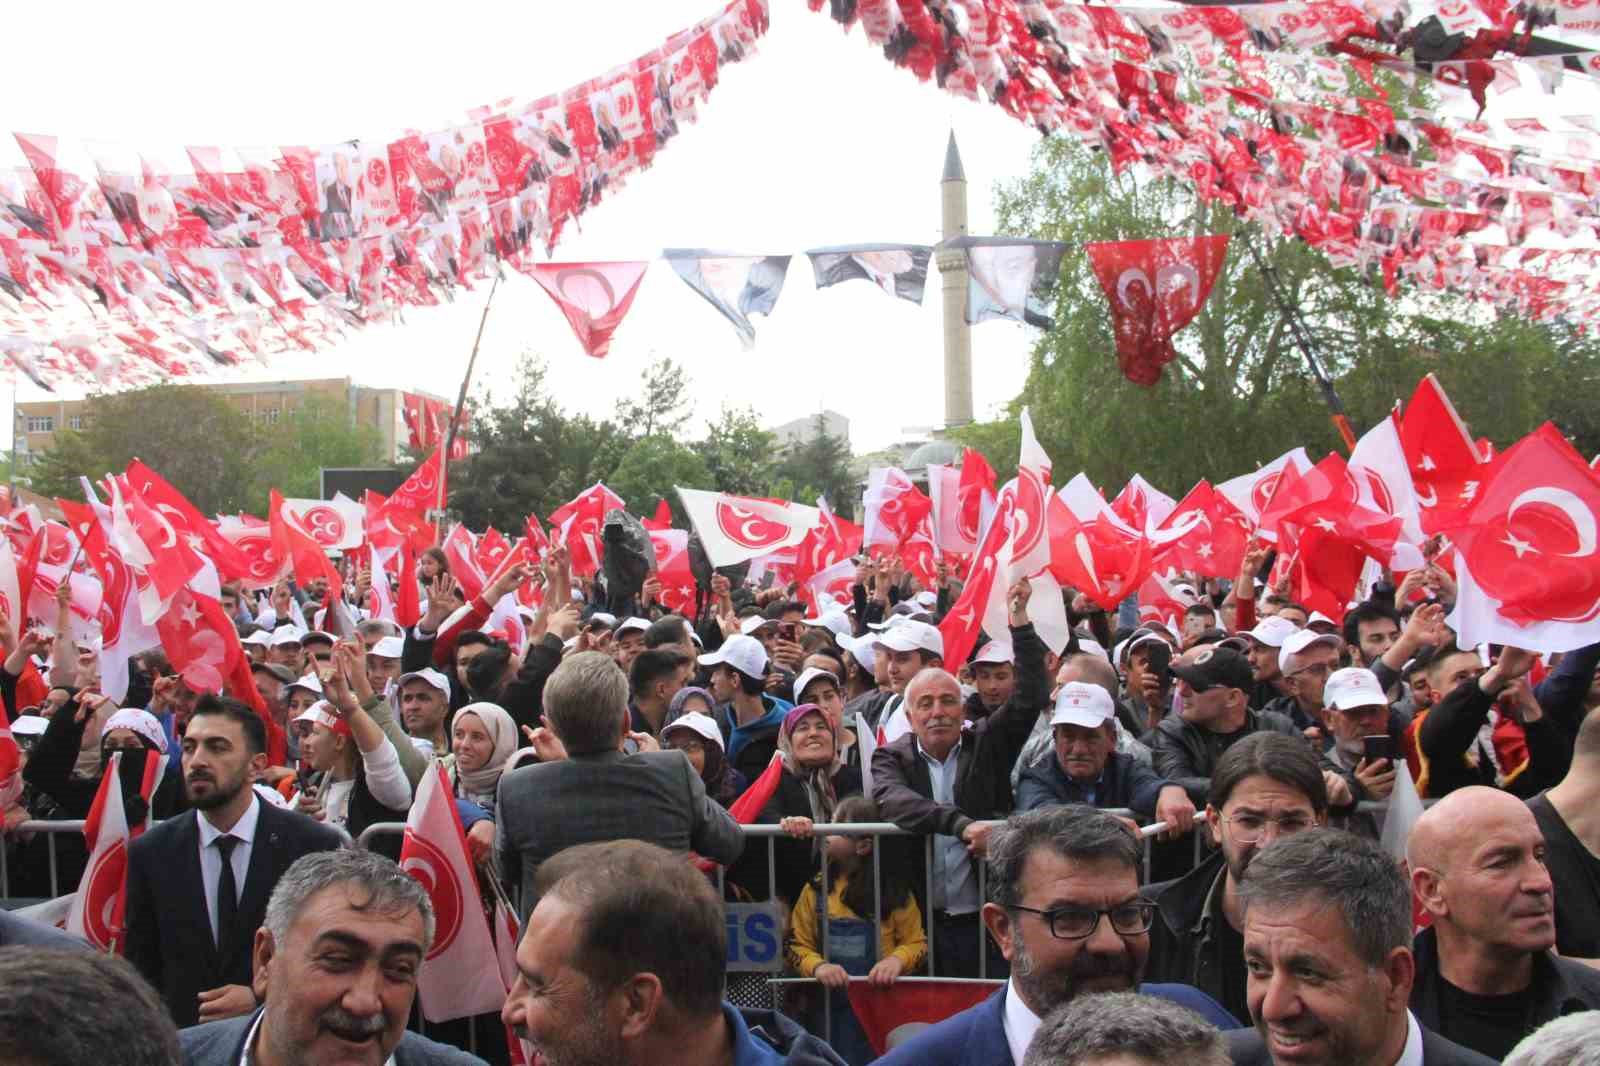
(1319, 669)
(1079, 923)
(1248, 828)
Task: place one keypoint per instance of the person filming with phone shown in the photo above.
(1366, 732)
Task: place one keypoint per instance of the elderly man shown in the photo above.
(336, 964)
(622, 964)
(1486, 976)
(1358, 709)
(1125, 1029)
(1064, 907)
(67, 1008)
(1306, 660)
(597, 793)
(1215, 715)
(1327, 943)
(945, 781)
(1088, 769)
(908, 647)
(1266, 787)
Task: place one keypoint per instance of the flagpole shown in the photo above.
(1302, 340)
(461, 402)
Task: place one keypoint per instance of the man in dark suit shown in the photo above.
(1327, 943)
(336, 965)
(597, 793)
(198, 883)
(1064, 907)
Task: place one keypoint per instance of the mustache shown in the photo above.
(1088, 967)
(341, 1022)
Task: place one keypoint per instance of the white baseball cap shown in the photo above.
(632, 625)
(996, 651)
(285, 635)
(311, 683)
(1318, 618)
(697, 723)
(863, 649)
(1083, 705)
(603, 618)
(745, 654)
(913, 636)
(1352, 687)
(1300, 640)
(322, 713)
(322, 637)
(29, 725)
(1272, 631)
(749, 626)
(389, 648)
(835, 621)
(807, 676)
(428, 674)
(927, 598)
(261, 637)
(1125, 649)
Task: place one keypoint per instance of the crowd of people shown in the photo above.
(1168, 841)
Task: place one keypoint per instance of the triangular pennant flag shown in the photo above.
(736, 285)
(594, 296)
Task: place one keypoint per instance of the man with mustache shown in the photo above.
(336, 963)
(198, 883)
(1486, 974)
(1064, 906)
(1327, 941)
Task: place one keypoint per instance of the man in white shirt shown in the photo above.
(1327, 947)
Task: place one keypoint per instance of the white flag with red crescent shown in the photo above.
(736, 528)
(460, 977)
(337, 524)
(97, 910)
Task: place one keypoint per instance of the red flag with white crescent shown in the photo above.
(96, 913)
(1155, 288)
(577, 525)
(593, 296)
(461, 975)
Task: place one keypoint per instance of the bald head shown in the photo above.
(1464, 816)
(1090, 669)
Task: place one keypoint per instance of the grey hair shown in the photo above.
(387, 887)
(1091, 669)
(64, 1007)
(1351, 873)
(924, 677)
(586, 703)
(1159, 1031)
(1570, 1041)
(1074, 831)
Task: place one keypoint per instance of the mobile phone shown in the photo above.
(788, 631)
(1377, 746)
(1158, 658)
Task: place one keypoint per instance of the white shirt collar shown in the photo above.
(1411, 1055)
(946, 761)
(1020, 1023)
(247, 1058)
(244, 828)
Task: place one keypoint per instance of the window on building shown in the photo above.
(74, 421)
(41, 424)
(272, 416)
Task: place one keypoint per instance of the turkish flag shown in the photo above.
(892, 1014)
(953, 538)
(833, 540)
(123, 630)
(1142, 505)
(1324, 498)
(1446, 463)
(964, 621)
(672, 568)
(894, 510)
(295, 543)
(1382, 480)
(408, 599)
(461, 550)
(203, 646)
(1160, 600)
(577, 525)
(460, 976)
(1156, 288)
(1326, 571)
(388, 525)
(1251, 492)
(1092, 549)
(831, 587)
(203, 538)
(97, 913)
(161, 561)
(1214, 535)
(736, 528)
(1526, 557)
(493, 550)
(593, 296)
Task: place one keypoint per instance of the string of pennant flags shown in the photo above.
(118, 268)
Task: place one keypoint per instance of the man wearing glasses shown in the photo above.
(1306, 659)
(1266, 787)
(1065, 908)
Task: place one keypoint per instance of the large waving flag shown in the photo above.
(736, 528)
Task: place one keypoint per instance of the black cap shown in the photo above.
(1217, 666)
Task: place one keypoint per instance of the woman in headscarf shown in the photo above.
(481, 742)
(813, 781)
(697, 735)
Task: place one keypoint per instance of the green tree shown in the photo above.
(1240, 392)
(818, 467)
(649, 470)
(193, 437)
(290, 454)
(738, 453)
(663, 407)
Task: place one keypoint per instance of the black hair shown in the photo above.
(488, 668)
(894, 888)
(668, 629)
(1200, 608)
(750, 686)
(651, 665)
(1285, 759)
(124, 1022)
(1366, 612)
(250, 723)
(472, 638)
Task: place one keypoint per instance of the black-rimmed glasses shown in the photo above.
(1079, 923)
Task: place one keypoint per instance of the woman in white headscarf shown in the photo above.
(483, 736)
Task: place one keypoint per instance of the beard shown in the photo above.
(585, 1041)
(1046, 991)
(221, 793)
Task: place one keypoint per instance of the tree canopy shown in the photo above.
(1240, 392)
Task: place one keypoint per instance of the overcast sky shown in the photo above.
(814, 140)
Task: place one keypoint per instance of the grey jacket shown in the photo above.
(653, 796)
(222, 1044)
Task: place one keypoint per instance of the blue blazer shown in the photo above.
(977, 1036)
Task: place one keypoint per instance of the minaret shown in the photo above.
(953, 269)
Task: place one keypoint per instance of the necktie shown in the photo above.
(227, 889)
